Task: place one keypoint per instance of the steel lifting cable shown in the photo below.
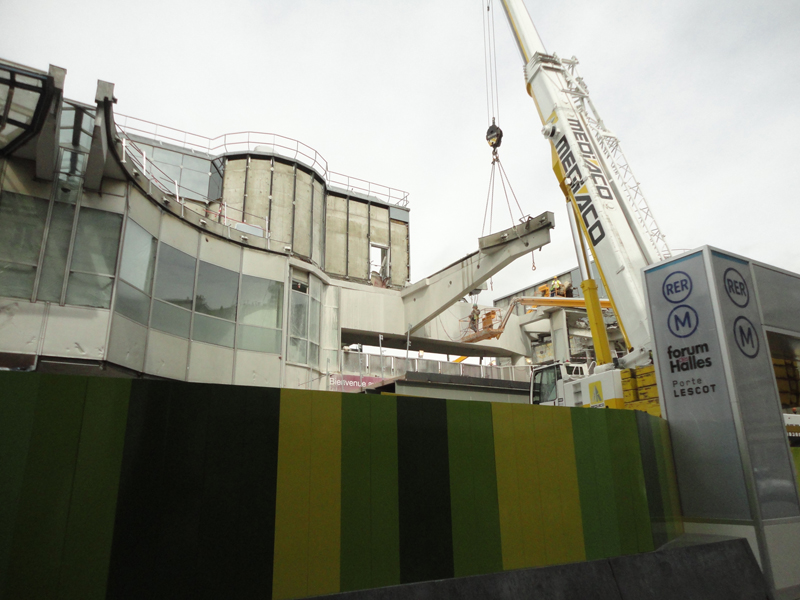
(489, 203)
(494, 134)
(490, 63)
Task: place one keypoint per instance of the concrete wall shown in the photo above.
(332, 230)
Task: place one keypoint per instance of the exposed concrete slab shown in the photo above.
(718, 571)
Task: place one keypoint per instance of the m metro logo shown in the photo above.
(682, 321)
(744, 332)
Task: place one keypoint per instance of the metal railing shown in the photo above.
(253, 141)
(230, 217)
(369, 365)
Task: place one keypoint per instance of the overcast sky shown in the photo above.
(703, 94)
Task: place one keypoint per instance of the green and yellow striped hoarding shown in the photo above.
(128, 489)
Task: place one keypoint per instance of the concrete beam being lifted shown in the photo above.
(430, 297)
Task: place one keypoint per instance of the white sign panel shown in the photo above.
(694, 392)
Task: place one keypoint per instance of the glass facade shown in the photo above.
(94, 258)
(22, 221)
(136, 273)
(174, 291)
(260, 315)
(305, 322)
(193, 173)
(58, 251)
(217, 309)
(215, 305)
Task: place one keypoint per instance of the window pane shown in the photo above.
(175, 278)
(313, 321)
(259, 339)
(192, 181)
(213, 331)
(56, 251)
(16, 281)
(315, 288)
(96, 242)
(160, 169)
(68, 187)
(313, 355)
(167, 156)
(73, 163)
(216, 291)
(195, 163)
(299, 315)
(67, 117)
(138, 257)
(21, 227)
(297, 351)
(261, 302)
(170, 319)
(89, 290)
(132, 303)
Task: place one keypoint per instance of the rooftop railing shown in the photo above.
(250, 141)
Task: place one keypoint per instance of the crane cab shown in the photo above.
(547, 383)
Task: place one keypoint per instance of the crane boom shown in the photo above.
(618, 235)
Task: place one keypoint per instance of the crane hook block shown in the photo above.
(494, 135)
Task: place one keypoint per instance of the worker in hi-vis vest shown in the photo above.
(555, 286)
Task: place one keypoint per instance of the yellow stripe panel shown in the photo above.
(531, 486)
(512, 542)
(564, 469)
(308, 500)
(326, 494)
(290, 578)
(537, 486)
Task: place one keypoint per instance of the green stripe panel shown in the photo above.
(796, 457)
(370, 543)
(18, 397)
(587, 479)
(598, 494)
(674, 517)
(632, 509)
(41, 524)
(87, 550)
(473, 489)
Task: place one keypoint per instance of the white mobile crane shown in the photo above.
(609, 218)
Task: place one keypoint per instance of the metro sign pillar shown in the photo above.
(718, 392)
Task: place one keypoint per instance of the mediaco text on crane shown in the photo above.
(567, 157)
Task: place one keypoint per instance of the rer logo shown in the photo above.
(682, 321)
(736, 287)
(677, 287)
(595, 393)
(744, 332)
